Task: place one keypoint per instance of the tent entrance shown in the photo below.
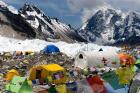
(81, 56)
(38, 74)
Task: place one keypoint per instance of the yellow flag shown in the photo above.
(61, 89)
(125, 75)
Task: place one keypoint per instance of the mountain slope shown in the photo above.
(33, 23)
(111, 26)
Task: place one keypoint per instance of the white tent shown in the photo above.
(94, 58)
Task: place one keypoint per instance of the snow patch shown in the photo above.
(84, 25)
(34, 23)
(12, 9)
(3, 4)
(33, 13)
(71, 49)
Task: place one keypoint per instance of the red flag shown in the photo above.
(97, 84)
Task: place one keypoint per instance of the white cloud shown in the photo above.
(88, 13)
(129, 5)
(77, 5)
(88, 7)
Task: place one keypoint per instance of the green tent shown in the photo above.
(137, 64)
(112, 79)
(19, 85)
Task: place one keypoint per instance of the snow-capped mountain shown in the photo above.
(31, 22)
(110, 26)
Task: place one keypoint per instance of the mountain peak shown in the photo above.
(30, 8)
(3, 4)
(32, 22)
(112, 26)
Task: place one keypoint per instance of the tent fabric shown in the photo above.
(83, 87)
(18, 53)
(52, 67)
(125, 75)
(53, 72)
(112, 79)
(26, 88)
(97, 84)
(52, 89)
(28, 52)
(11, 74)
(71, 87)
(111, 90)
(61, 89)
(86, 59)
(49, 49)
(19, 85)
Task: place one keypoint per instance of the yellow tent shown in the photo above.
(11, 74)
(29, 52)
(55, 73)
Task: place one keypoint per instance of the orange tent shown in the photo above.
(18, 53)
(126, 59)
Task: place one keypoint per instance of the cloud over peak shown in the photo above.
(89, 7)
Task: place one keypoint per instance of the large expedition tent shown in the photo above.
(53, 72)
(96, 58)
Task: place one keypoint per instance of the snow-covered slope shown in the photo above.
(110, 26)
(35, 24)
(71, 49)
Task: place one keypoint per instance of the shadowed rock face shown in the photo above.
(112, 27)
(14, 26)
(31, 22)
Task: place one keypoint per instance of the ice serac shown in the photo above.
(33, 23)
(110, 26)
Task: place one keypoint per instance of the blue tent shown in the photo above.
(49, 49)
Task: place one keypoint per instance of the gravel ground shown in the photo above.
(23, 65)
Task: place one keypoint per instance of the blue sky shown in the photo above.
(76, 12)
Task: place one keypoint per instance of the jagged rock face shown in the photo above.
(112, 27)
(32, 22)
(14, 26)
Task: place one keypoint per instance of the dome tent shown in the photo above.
(95, 58)
(53, 72)
(49, 49)
(11, 74)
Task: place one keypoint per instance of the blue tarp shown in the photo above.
(49, 49)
